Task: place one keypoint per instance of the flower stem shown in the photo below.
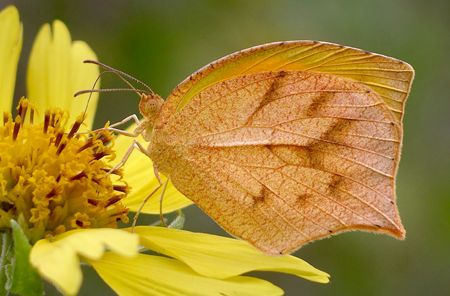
(6, 245)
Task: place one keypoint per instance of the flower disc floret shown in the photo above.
(52, 181)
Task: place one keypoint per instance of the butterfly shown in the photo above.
(286, 143)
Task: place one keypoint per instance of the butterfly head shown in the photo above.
(150, 106)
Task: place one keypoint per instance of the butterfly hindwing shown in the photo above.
(283, 157)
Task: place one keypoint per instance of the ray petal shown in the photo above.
(204, 252)
(56, 71)
(11, 45)
(58, 260)
(155, 275)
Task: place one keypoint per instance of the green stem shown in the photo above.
(6, 243)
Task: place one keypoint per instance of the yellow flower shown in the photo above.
(54, 182)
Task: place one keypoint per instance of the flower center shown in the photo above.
(52, 181)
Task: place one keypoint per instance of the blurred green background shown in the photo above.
(162, 42)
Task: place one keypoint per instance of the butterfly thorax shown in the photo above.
(149, 106)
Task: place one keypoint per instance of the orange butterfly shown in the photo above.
(285, 143)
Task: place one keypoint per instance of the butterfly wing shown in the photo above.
(288, 142)
(389, 77)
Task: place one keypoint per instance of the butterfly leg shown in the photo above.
(161, 197)
(139, 210)
(158, 177)
(134, 145)
(112, 128)
(156, 173)
(136, 216)
(127, 119)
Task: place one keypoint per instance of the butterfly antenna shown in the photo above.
(93, 90)
(119, 73)
(90, 95)
(88, 91)
(122, 75)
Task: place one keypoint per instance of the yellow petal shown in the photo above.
(56, 71)
(10, 46)
(138, 171)
(205, 253)
(58, 260)
(155, 275)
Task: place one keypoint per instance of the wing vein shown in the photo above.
(358, 62)
(386, 87)
(370, 75)
(281, 199)
(269, 57)
(324, 59)
(375, 69)
(326, 171)
(271, 206)
(303, 57)
(333, 117)
(213, 176)
(356, 197)
(336, 143)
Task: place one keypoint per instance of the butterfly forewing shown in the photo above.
(280, 156)
(389, 77)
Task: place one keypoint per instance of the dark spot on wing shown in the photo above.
(318, 101)
(269, 95)
(335, 184)
(262, 195)
(304, 197)
(312, 155)
(296, 155)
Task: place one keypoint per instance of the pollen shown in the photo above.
(54, 179)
